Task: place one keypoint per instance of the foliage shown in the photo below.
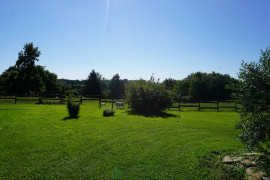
(93, 84)
(73, 108)
(205, 86)
(71, 93)
(108, 112)
(40, 101)
(27, 57)
(169, 83)
(115, 87)
(26, 77)
(148, 96)
(186, 99)
(181, 88)
(52, 84)
(253, 95)
(70, 85)
(1, 84)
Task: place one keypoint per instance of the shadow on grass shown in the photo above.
(161, 114)
(68, 118)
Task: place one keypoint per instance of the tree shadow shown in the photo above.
(68, 118)
(152, 115)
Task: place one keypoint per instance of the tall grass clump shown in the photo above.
(73, 108)
(148, 97)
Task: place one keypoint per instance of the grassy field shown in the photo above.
(41, 142)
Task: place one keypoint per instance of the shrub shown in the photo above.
(186, 99)
(40, 101)
(108, 112)
(72, 93)
(148, 97)
(252, 93)
(73, 108)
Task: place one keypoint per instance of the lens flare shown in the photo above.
(107, 11)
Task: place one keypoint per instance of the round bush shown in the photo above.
(108, 112)
(148, 97)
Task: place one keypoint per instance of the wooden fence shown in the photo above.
(36, 99)
(57, 99)
(217, 105)
(207, 105)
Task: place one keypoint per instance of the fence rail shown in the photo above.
(59, 99)
(206, 105)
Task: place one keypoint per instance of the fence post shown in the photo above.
(15, 99)
(179, 104)
(99, 99)
(61, 100)
(81, 99)
(218, 105)
(106, 97)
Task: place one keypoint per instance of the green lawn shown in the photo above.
(40, 142)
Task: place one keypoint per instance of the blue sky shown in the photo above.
(135, 38)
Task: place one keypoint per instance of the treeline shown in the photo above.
(26, 78)
(201, 87)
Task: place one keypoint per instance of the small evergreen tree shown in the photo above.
(93, 84)
(73, 108)
(115, 87)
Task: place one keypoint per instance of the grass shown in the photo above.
(42, 142)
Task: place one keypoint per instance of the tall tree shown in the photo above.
(27, 57)
(27, 78)
(93, 84)
(116, 89)
(30, 76)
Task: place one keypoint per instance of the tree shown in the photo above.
(10, 80)
(27, 57)
(52, 84)
(198, 89)
(253, 95)
(204, 86)
(93, 84)
(115, 87)
(181, 87)
(76, 86)
(169, 83)
(27, 78)
(1, 84)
